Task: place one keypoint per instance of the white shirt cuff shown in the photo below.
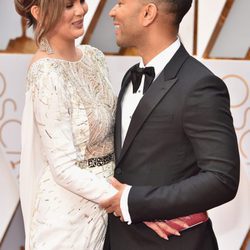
(124, 205)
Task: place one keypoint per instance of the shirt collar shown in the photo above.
(160, 60)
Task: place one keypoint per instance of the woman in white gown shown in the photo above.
(67, 132)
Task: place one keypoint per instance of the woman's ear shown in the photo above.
(35, 12)
(149, 14)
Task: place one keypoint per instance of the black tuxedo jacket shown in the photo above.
(180, 155)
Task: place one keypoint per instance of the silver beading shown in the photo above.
(96, 162)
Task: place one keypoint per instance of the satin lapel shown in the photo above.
(157, 91)
(159, 88)
(118, 116)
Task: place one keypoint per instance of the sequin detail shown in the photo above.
(73, 101)
(96, 162)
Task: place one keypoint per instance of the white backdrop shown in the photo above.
(231, 221)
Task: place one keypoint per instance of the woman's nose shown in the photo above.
(81, 9)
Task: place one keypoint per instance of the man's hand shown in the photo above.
(112, 205)
(162, 228)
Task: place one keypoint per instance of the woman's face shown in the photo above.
(70, 26)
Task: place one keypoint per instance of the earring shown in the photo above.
(45, 46)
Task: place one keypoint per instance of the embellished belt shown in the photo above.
(96, 162)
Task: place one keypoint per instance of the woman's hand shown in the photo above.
(166, 228)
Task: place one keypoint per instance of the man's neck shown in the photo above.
(152, 49)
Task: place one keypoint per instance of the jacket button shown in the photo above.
(118, 171)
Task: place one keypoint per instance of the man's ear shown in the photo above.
(35, 12)
(149, 14)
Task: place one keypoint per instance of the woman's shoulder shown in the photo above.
(43, 72)
(41, 64)
(92, 51)
(39, 57)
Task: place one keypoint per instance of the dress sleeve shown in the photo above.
(51, 108)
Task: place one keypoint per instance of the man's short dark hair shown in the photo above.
(179, 8)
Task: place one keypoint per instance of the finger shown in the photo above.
(115, 183)
(180, 223)
(110, 209)
(119, 212)
(105, 204)
(167, 228)
(115, 214)
(114, 208)
(156, 229)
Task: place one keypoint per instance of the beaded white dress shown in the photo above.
(68, 119)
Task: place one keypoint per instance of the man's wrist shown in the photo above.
(124, 205)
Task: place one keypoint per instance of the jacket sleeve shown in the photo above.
(208, 124)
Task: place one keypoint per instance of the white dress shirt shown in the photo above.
(130, 102)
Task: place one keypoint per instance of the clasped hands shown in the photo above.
(162, 228)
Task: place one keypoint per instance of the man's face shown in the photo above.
(127, 15)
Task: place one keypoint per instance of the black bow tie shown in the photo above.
(136, 76)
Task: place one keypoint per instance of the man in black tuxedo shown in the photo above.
(175, 144)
